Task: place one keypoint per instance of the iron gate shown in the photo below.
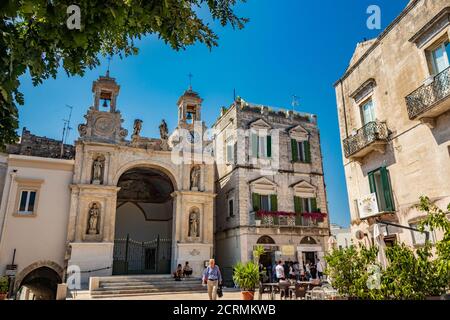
(149, 257)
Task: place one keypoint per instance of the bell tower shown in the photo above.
(103, 120)
(189, 109)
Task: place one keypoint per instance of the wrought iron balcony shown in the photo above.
(431, 99)
(372, 137)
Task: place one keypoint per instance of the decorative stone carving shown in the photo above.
(195, 178)
(82, 130)
(94, 217)
(194, 224)
(97, 170)
(163, 130)
(137, 128)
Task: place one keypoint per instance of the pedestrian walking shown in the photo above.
(212, 277)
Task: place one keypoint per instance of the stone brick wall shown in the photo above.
(32, 145)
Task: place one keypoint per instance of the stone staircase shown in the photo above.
(119, 286)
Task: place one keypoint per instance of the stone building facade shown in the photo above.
(270, 186)
(393, 103)
(112, 206)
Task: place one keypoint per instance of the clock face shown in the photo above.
(104, 126)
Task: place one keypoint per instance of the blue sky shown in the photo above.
(289, 47)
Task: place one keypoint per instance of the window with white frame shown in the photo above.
(440, 56)
(367, 112)
(27, 202)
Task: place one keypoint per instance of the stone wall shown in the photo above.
(32, 145)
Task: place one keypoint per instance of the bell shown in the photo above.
(105, 104)
(189, 116)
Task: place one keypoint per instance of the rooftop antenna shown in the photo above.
(190, 80)
(234, 94)
(295, 102)
(66, 130)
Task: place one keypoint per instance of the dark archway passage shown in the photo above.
(143, 227)
(39, 284)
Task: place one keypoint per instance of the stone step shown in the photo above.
(116, 293)
(190, 280)
(160, 287)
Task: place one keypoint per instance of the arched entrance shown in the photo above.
(39, 284)
(144, 222)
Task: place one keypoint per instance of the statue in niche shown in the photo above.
(195, 178)
(97, 170)
(137, 128)
(94, 215)
(194, 223)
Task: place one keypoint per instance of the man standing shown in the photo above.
(279, 270)
(212, 278)
(319, 269)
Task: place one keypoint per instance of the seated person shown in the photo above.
(178, 273)
(187, 270)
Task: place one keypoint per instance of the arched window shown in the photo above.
(308, 240)
(265, 240)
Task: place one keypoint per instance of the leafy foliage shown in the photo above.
(35, 38)
(246, 276)
(411, 274)
(4, 284)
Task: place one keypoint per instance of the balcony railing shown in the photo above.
(429, 95)
(297, 220)
(372, 132)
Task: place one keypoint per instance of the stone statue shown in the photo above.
(163, 130)
(194, 225)
(97, 170)
(137, 128)
(94, 214)
(195, 178)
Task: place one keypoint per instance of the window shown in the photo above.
(380, 184)
(264, 202)
(261, 146)
(419, 237)
(367, 112)
(231, 208)
(440, 57)
(230, 152)
(301, 151)
(304, 205)
(27, 200)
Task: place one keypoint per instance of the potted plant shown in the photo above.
(4, 286)
(246, 276)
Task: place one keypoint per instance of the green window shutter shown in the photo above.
(307, 147)
(387, 192)
(313, 205)
(373, 188)
(297, 204)
(273, 202)
(294, 148)
(269, 146)
(256, 200)
(254, 146)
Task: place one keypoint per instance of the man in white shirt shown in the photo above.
(319, 267)
(279, 270)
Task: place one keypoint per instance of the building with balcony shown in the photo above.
(393, 106)
(270, 186)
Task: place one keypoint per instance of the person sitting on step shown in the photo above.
(187, 270)
(178, 273)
